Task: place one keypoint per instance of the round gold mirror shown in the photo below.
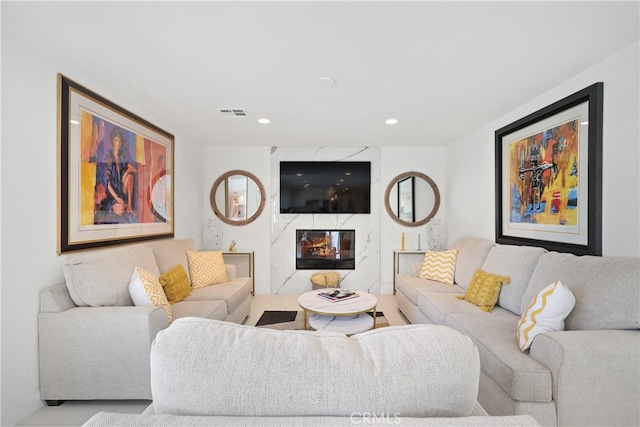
(237, 197)
(412, 199)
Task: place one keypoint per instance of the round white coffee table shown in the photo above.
(347, 317)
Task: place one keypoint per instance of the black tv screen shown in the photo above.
(325, 187)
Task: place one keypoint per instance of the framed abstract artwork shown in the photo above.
(115, 173)
(549, 176)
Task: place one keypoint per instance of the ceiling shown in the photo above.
(442, 69)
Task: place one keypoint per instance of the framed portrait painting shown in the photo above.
(115, 173)
(549, 176)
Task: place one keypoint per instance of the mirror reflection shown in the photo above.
(412, 199)
(237, 197)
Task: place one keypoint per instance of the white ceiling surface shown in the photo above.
(443, 69)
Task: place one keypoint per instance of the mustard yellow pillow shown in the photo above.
(484, 290)
(206, 268)
(175, 283)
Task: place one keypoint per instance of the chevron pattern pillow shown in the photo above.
(439, 266)
(206, 268)
(546, 313)
(145, 289)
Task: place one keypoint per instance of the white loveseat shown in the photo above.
(588, 374)
(211, 373)
(94, 343)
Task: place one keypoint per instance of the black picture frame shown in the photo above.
(95, 210)
(548, 179)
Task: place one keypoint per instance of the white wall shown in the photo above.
(397, 160)
(29, 194)
(253, 236)
(470, 161)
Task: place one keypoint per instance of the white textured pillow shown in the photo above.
(145, 289)
(546, 313)
(439, 266)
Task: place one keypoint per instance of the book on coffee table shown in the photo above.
(338, 295)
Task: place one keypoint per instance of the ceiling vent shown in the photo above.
(233, 112)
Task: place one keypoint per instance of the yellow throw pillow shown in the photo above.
(333, 279)
(176, 284)
(319, 279)
(439, 266)
(145, 289)
(484, 290)
(206, 268)
(546, 313)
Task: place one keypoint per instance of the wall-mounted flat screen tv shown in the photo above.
(325, 187)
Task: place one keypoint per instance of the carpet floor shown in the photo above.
(294, 320)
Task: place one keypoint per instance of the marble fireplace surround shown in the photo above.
(284, 278)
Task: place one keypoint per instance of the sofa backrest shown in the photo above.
(517, 262)
(472, 252)
(207, 367)
(606, 289)
(169, 253)
(101, 278)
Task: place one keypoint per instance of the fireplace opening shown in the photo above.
(325, 249)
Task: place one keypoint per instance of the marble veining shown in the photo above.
(285, 279)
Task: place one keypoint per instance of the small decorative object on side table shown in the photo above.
(232, 246)
(436, 235)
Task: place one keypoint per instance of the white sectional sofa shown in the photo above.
(212, 373)
(94, 343)
(587, 374)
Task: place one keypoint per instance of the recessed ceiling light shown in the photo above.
(264, 121)
(326, 81)
(391, 121)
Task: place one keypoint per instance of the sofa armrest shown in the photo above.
(98, 352)
(232, 272)
(55, 299)
(595, 375)
(415, 269)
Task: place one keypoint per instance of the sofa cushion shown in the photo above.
(484, 290)
(411, 286)
(472, 252)
(216, 310)
(168, 253)
(145, 289)
(517, 262)
(546, 313)
(101, 278)
(206, 268)
(607, 289)
(176, 284)
(233, 293)
(207, 367)
(437, 305)
(439, 266)
(518, 375)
